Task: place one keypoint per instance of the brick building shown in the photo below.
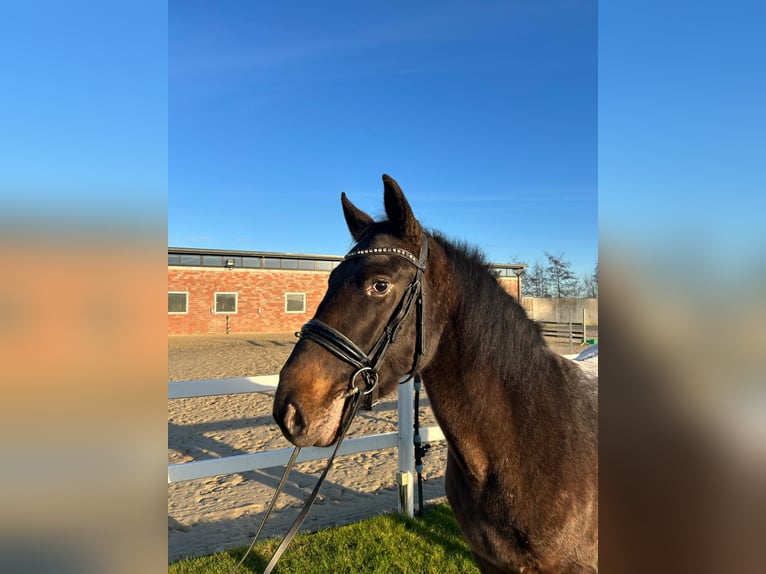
(212, 292)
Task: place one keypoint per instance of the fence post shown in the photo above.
(406, 447)
(584, 328)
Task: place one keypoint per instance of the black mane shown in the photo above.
(496, 328)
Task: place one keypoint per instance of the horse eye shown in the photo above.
(379, 287)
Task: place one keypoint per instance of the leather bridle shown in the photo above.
(367, 366)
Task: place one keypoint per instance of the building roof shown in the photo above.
(232, 258)
(242, 253)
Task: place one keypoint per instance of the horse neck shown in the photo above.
(480, 324)
(486, 365)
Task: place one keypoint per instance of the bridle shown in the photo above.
(367, 366)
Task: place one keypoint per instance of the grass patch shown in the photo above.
(431, 544)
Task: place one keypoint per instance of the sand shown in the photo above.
(223, 512)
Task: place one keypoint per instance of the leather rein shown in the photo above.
(366, 365)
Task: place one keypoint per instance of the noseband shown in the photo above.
(368, 364)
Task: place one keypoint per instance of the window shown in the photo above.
(190, 259)
(295, 302)
(212, 260)
(306, 264)
(252, 261)
(178, 302)
(226, 303)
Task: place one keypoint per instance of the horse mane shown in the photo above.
(496, 327)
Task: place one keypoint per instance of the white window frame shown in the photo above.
(304, 303)
(187, 303)
(215, 303)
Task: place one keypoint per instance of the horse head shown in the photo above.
(365, 293)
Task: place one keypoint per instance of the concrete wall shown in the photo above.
(561, 310)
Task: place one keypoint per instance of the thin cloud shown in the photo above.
(425, 26)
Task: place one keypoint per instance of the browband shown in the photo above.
(392, 251)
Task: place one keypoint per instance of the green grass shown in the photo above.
(387, 543)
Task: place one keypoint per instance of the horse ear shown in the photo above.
(398, 210)
(356, 219)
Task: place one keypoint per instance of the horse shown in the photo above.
(520, 421)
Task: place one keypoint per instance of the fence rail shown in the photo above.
(573, 331)
(403, 438)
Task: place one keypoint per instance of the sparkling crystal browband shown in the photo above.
(387, 251)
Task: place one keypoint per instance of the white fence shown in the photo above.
(403, 438)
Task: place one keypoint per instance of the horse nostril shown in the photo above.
(293, 420)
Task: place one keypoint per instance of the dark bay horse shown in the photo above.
(521, 422)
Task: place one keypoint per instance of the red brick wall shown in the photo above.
(511, 285)
(260, 299)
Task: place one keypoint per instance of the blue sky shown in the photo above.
(486, 114)
(241, 130)
(682, 135)
(83, 113)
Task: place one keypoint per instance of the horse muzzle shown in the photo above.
(307, 410)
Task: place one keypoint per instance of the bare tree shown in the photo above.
(586, 287)
(595, 277)
(536, 281)
(563, 281)
(590, 284)
(556, 279)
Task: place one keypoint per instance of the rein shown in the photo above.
(366, 364)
